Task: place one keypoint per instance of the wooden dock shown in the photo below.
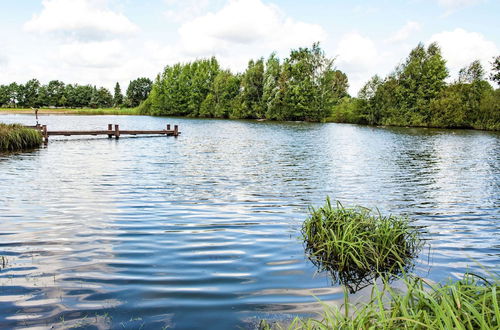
(112, 131)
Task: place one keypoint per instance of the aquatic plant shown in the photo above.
(470, 303)
(355, 245)
(15, 137)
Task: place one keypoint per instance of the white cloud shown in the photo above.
(246, 23)
(80, 19)
(460, 48)
(405, 32)
(358, 57)
(96, 54)
(356, 52)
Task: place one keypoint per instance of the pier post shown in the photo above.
(110, 128)
(176, 130)
(45, 134)
(168, 127)
(117, 131)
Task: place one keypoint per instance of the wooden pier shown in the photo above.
(112, 131)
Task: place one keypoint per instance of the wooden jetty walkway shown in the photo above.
(110, 132)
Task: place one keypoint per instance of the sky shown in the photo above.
(101, 42)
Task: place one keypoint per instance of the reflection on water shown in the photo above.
(202, 231)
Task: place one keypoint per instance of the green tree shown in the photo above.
(118, 96)
(4, 95)
(220, 101)
(103, 98)
(30, 92)
(370, 109)
(472, 73)
(137, 91)
(271, 86)
(55, 91)
(252, 88)
(495, 70)
(421, 79)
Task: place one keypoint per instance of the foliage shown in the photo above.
(181, 89)
(345, 111)
(56, 94)
(305, 86)
(416, 94)
(495, 70)
(221, 100)
(15, 137)
(354, 245)
(117, 96)
(470, 303)
(137, 91)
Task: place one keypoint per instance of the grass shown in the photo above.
(471, 303)
(78, 111)
(14, 137)
(355, 245)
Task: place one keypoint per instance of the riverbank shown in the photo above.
(136, 112)
(73, 111)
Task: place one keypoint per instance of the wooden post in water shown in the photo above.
(45, 134)
(168, 127)
(117, 131)
(176, 130)
(110, 128)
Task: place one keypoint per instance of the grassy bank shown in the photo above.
(76, 111)
(470, 303)
(14, 137)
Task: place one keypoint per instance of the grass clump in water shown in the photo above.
(355, 245)
(471, 303)
(14, 137)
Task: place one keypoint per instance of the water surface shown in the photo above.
(202, 231)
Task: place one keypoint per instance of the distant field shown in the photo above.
(82, 111)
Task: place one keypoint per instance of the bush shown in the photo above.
(355, 245)
(15, 137)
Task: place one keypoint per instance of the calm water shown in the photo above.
(202, 231)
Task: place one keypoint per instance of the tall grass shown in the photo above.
(15, 137)
(471, 303)
(77, 111)
(355, 245)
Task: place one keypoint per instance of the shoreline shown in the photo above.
(135, 112)
(68, 111)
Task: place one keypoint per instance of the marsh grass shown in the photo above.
(470, 303)
(76, 111)
(14, 137)
(356, 245)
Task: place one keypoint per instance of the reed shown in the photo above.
(355, 245)
(470, 303)
(14, 137)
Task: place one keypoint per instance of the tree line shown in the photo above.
(416, 94)
(58, 94)
(304, 86)
(307, 86)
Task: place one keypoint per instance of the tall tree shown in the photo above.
(495, 70)
(30, 93)
(252, 88)
(55, 91)
(118, 96)
(220, 101)
(138, 90)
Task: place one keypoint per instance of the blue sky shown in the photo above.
(104, 41)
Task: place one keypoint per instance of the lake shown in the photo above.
(203, 231)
